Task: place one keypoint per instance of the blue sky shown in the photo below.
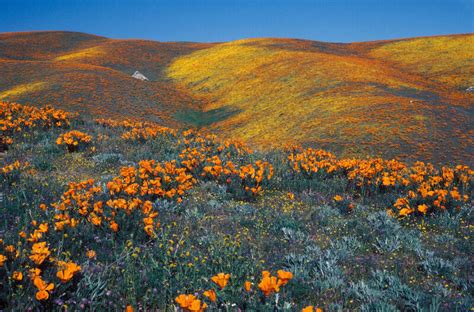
(210, 21)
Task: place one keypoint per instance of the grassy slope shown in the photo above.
(352, 98)
(445, 59)
(394, 98)
(91, 74)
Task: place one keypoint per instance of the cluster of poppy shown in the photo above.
(368, 175)
(425, 188)
(79, 205)
(127, 199)
(268, 285)
(153, 180)
(202, 156)
(207, 142)
(436, 190)
(65, 272)
(137, 130)
(205, 156)
(73, 139)
(39, 260)
(86, 203)
(310, 162)
(190, 303)
(123, 202)
(208, 158)
(15, 166)
(250, 176)
(16, 118)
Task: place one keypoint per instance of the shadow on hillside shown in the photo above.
(199, 118)
(415, 94)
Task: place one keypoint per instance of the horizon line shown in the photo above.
(245, 38)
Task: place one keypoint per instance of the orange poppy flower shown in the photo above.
(247, 286)
(423, 208)
(91, 254)
(43, 288)
(405, 211)
(196, 306)
(185, 301)
(39, 253)
(114, 226)
(67, 270)
(268, 284)
(221, 279)
(211, 294)
(3, 259)
(284, 277)
(17, 276)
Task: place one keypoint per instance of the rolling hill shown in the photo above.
(404, 98)
(91, 74)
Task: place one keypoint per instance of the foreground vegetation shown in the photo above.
(127, 215)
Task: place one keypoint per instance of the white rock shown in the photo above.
(139, 76)
(470, 89)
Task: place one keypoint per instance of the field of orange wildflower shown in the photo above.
(127, 215)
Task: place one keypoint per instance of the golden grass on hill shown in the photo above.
(22, 89)
(401, 98)
(287, 91)
(447, 59)
(82, 54)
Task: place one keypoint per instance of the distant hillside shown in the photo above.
(401, 97)
(391, 98)
(92, 74)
